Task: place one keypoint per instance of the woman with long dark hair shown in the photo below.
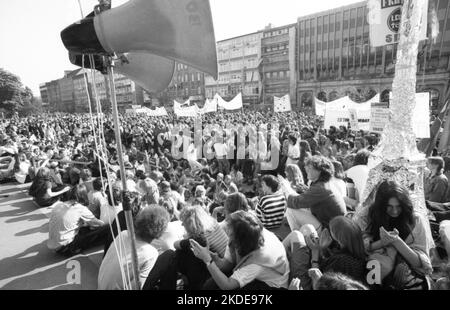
(397, 237)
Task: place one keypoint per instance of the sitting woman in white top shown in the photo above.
(255, 257)
(397, 237)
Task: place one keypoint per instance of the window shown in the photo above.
(281, 74)
(338, 26)
(288, 74)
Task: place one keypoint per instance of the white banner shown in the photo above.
(210, 106)
(234, 104)
(282, 104)
(320, 107)
(182, 110)
(337, 113)
(384, 20)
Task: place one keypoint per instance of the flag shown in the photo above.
(282, 104)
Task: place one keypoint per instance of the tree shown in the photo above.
(13, 95)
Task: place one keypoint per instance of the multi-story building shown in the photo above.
(238, 60)
(53, 95)
(69, 93)
(187, 83)
(278, 67)
(335, 57)
(44, 94)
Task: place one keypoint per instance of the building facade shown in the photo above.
(187, 83)
(278, 66)
(44, 94)
(238, 65)
(69, 93)
(335, 57)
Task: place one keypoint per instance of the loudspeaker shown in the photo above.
(151, 72)
(180, 30)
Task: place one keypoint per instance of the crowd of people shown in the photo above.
(279, 215)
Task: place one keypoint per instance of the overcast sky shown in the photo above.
(30, 44)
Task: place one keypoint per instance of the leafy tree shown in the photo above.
(13, 96)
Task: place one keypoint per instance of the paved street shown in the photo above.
(25, 261)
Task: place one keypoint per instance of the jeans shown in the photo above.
(85, 239)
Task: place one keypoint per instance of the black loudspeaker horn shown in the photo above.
(180, 30)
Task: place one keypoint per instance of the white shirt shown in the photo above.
(359, 174)
(65, 222)
(221, 149)
(109, 275)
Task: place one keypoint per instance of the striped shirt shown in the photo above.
(270, 210)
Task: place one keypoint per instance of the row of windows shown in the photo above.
(185, 77)
(276, 33)
(278, 47)
(277, 75)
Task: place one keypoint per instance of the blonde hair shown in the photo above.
(197, 221)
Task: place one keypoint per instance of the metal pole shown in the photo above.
(126, 209)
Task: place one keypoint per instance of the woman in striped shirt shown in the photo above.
(272, 206)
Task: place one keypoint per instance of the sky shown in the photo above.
(31, 46)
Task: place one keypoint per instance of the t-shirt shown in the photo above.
(65, 222)
(359, 174)
(110, 276)
(270, 210)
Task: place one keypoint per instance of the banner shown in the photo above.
(421, 116)
(210, 106)
(319, 107)
(384, 19)
(337, 113)
(282, 104)
(234, 104)
(379, 116)
(161, 111)
(181, 110)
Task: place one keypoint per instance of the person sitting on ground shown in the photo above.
(436, 184)
(397, 237)
(150, 224)
(43, 191)
(255, 257)
(148, 188)
(234, 202)
(72, 227)
(97, 199)
(22, 167)
(321, 202)
(272, 205)
(359, 174)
